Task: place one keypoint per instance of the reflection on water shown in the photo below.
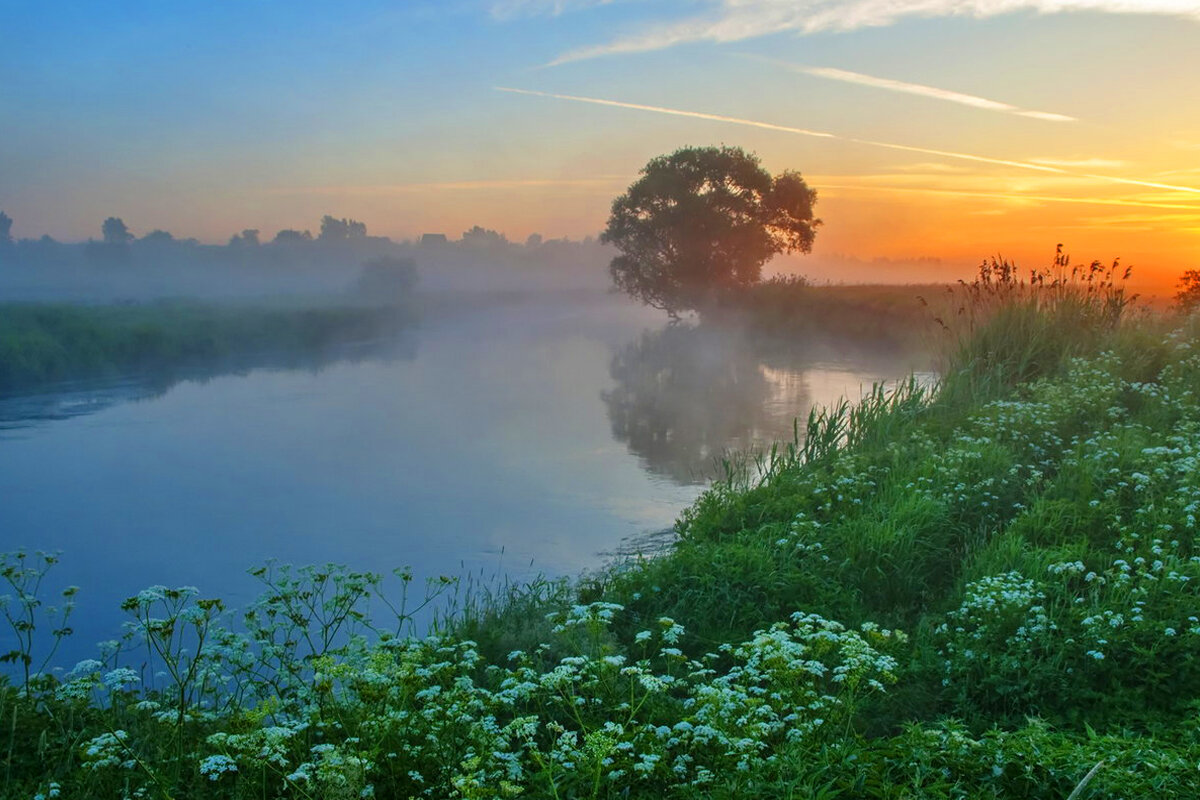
(686, 396)
(531, 437)
(74, 398)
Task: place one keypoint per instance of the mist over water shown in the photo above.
(520, 434)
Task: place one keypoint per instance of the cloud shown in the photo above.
(921, 90)
(509, 9)
(1081, 163)
(671, 111)
(1026, 165)
(738, 20)
(1022, 198)
(382, 190)
(929, 166)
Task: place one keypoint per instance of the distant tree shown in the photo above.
(483, 237)
(338, 230)
(5, 229)
(1188, 296)
(288, 235)
(158, 236)
(702, 221)
(534, 240)
(115, 231)
(247, 238)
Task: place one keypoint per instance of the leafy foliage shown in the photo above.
(1188, 296)
(703, 220)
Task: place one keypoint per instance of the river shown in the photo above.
(530, 436)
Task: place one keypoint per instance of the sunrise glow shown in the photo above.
(944, 131)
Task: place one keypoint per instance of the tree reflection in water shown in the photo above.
(686, 395)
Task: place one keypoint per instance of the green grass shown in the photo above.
(984, 590)
(42, 344)
(895, 318)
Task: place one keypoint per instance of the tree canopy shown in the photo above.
(115, 231)
(702, 221)
(339, 230)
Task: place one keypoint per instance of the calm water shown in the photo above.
(518, 438)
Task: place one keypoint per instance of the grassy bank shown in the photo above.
(41, 344)
(987, 590)
(892, 317)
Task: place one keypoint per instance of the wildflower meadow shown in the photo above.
(986, 588)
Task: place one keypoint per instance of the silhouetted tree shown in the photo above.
(114, 246)
(338, 230)
(158, 236)
(247, 238)
(534, 240)
(702, 221)
(1188, 296)
(483, 238)
(115, 231)
(288, 235)
(5, 229)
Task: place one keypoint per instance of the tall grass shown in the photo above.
(1005, 327)
(889, 318)
(980, 591)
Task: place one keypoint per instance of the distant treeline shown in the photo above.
(123, 264)
(42, 344)
(119, 244)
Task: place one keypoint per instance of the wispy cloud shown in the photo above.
(738, 20)
(1081, 163)
(1189, 171)
(891, 85)
(508, 9)
(1145, 219)
(377, 190)
(1021, 198)
(929, 166)
(675, 112)
(1026, 165)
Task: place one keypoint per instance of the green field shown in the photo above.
(988, 589)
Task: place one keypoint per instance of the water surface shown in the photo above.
(523, 437)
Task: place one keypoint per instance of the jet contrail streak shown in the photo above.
(675, 112)
(892, 85)
(1098, 201)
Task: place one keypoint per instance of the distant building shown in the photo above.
(432, 239)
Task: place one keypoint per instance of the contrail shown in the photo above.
(820, 134)
(892, 85)
(1094, 201)
(671, 111)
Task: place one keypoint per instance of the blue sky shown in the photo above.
(207, 118)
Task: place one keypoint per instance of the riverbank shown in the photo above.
(980, 591)
(45, 343)
(894, 318)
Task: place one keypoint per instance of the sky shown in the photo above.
(935, 129)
